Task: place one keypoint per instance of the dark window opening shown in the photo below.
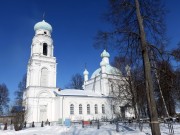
(112, 88)
(96, 109)
(103, 109)
(45, 49)
(122, 109)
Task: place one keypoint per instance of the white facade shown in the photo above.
(44, 101)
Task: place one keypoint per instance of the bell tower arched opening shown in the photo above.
(44, 77)
(45, 51)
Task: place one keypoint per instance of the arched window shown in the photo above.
(45, 49)
(88, 108)
(71, 109)
(96, 109)
(44, 77)
(103, 109)
(80, 109)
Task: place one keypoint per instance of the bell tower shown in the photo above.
(41, 70)
(41, 76)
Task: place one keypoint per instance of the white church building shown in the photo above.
(43, 100)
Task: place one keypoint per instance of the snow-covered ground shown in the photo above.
(106, 129)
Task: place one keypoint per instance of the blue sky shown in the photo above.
(74, 22)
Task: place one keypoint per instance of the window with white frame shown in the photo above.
(80, 108)
(103, 109)
(71, 109)
(96, 109)
(88, 108)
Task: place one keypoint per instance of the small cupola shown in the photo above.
(85, 73)
(105, 56)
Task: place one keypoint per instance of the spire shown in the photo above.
(85, 71)
(85, 65)
(105, 47)
(43, 17)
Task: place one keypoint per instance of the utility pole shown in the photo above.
(148, 78)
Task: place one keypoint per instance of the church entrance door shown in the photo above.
(43, 113)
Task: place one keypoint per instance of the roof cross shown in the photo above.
(43, 16)
(85, 65)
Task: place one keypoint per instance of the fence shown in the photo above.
(133, 124)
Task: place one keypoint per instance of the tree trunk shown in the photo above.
(148, 78)
(134, 96)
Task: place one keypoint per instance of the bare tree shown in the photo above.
(18, 113)
(177, 85)
(141, 97)
(19, 92)
(166, 78)
(18, 110)
(176, 53)
(76, 82)
(122, 97)
(138, 26)
(4, 98)
(126, 85)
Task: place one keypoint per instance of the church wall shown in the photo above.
(40, 99)
(103, 84)
(76, 100)
(31, 114)
(94, 86)
(34, 73)
(34, 107)
(98, 85)
(57, 110)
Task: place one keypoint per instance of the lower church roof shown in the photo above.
(76, 92)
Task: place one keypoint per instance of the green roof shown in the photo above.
(43, 25)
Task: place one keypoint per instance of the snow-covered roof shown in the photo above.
(76, 92)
